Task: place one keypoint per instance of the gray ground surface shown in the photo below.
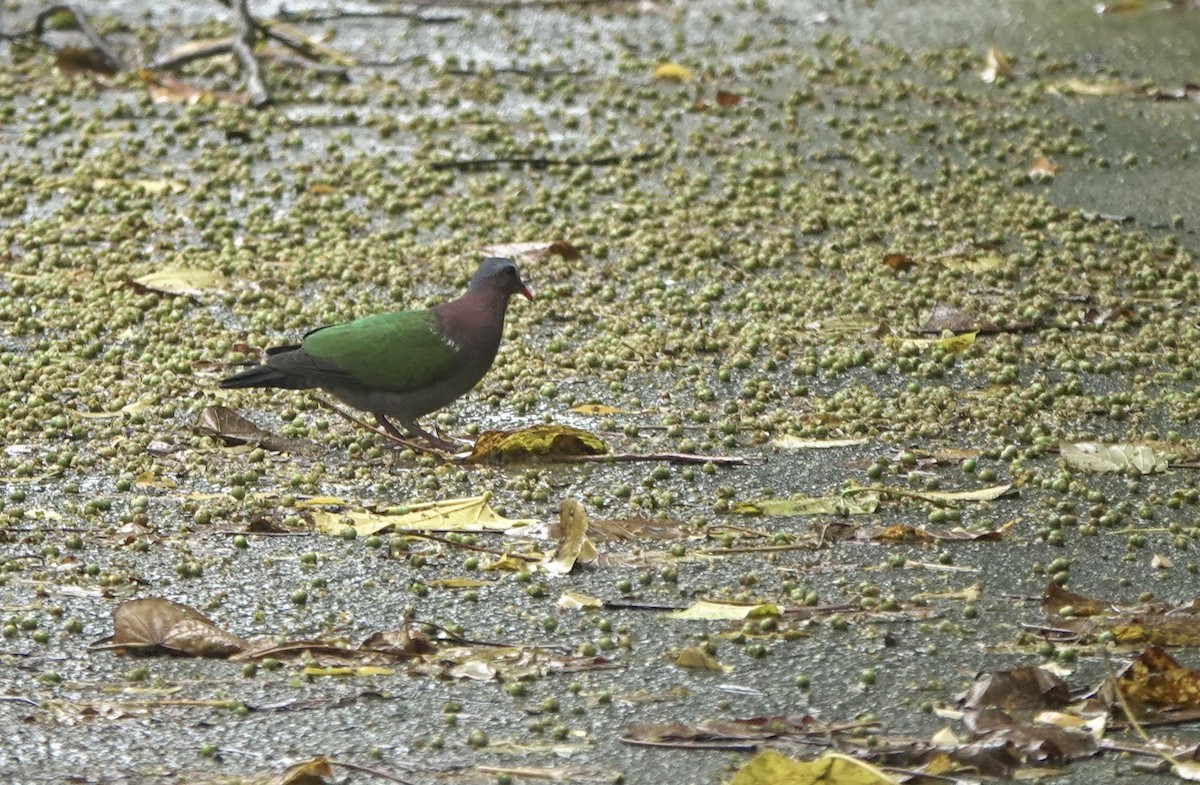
(731, 291)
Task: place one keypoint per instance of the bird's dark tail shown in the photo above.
(263, 376)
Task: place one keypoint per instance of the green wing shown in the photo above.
(396, 352)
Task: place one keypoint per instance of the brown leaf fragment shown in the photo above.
(84, 61)
(573, 545)
(726, 99)
(1156, 679)
(403, 643)
(156, 625)
(900, 262)
(1017, 689)
(235, 429)
(1043, 168)
(1159, 630)
(1055, 598)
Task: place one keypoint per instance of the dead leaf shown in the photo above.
(696, 658)
(947, 317)
(573, 544)
(1119, 7)
(726, 99)
(543, 441)
(1043, 168)
(789, 442)
(574, 601)
(995, 65)
(1104, 458)
(638, 529)
(470, 514)
(80, 61)
(1019, 689)
(774, 768)
(180, 281)
(158, 625)
(309, 772)
(900, 262)
(1156, 679)
(165, 89)
(233, 428)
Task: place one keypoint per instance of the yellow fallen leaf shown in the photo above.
(130, 408)
(1043, 168)
(181, 280)
(774, 768)
(574, 601)
(573, 544)
(673, 72)
(457, 583)
(471, 514)
(348, 670)
(696, 658)
(797, 443)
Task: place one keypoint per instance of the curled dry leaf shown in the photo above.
(573, 544)
(546, 441)
(995, 65)
(157, 625)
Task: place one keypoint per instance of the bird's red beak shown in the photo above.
(526, 293)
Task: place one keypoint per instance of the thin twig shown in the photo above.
(312, 17)
(243, 48)
(477, 548)
(369, 770)
(223, 46)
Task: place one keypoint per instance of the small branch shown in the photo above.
(243, 48)
(224, 46)
(476, 548)
(368, 770)
(312, 17)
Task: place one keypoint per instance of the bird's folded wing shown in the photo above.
(394, 352)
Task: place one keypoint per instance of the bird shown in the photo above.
(400, 364)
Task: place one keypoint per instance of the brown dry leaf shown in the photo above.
(900, 262)
(573, 544)
(1043, 168)
(157, 625)
(233, 428)
(1030, 689)
(726, 99)
(995, 65)
(1055, 598)
(80, 61)
(1156, 679)
(309, 772)
(543, 441)
(404, 643)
